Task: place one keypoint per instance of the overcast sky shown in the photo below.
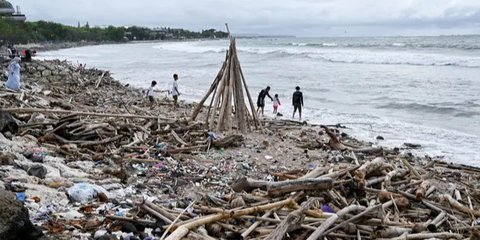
(288, 17)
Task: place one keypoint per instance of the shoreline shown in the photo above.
(45, 47)
(166, 159)
(437, 138)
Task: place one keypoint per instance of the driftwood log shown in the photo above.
(183, 229)
(279, 188)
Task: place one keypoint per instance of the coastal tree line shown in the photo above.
(43, 31)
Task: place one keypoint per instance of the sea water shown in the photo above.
(423, 90)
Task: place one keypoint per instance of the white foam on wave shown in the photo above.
(397, 58)
(452, 145)
(329, 44)
(190, 47)
(399, 44)
(340, 55)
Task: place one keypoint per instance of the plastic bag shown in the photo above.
(84, 192)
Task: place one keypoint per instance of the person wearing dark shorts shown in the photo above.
(261, 99)
(297, 102)
(150, 96)
(175, 92)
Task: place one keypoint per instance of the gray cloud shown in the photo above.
(294, 17)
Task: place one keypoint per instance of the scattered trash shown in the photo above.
(131, 171)
(20, 196)
(84, 192)
(37, 170)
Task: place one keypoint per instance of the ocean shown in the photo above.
(423, 90)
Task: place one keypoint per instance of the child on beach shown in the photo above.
(276, 103)
(150, 93)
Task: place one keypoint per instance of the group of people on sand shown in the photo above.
(297, 98)
(297, 102)
(173, 91)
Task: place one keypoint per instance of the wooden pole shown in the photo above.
(213, 88)
(183, 230)
(331, 220)
(92, 114)
(256, 120)
(220, 90)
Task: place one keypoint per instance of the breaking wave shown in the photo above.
(447, 110)
(330, 53)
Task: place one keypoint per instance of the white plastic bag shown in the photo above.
(84, 192)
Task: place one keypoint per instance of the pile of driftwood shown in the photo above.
(228, 107)
(88, 111)
(358, 192)
(391, 196)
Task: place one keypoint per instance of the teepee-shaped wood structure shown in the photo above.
(228, 108)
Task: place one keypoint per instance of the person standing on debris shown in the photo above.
(276, 103)
(261, 99)
(12, 51)
(150, 93)
(175, 92)
(13, 82)
(297, 102)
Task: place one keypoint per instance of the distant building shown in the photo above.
(8, 12)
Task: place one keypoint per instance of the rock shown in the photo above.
(100, 233)
(15, 221)
(62, 104)
(380, 138)
(37, 75)
(37, 118)
(71, 215)
(126, 227)
(37, 170)
(7, 123)
(6, 159)
(102, 197)
(412, 145)
(46, 73)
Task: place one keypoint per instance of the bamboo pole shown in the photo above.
(220, 93)
(92, 114)
(331, 220)
(182, 230)
(256, 120)
(231, 92)
(242, 111)
(213, 88)
(256, 224)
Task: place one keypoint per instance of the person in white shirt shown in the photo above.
(175, 92)
(150, 93)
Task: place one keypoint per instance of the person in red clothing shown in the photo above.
(276, 103)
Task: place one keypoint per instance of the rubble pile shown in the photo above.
(89, 160)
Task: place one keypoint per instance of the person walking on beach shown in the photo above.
(175, 92)
(13, 82)
(276, 103)
(150, 96)
(297, 102)
(261, 99)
